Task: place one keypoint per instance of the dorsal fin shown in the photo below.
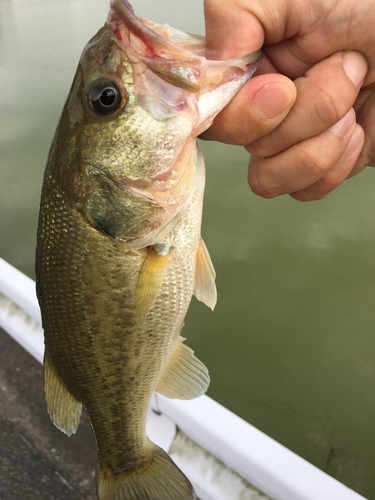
(186, 377)
(64, 409)
(151, 278)
(205, 288)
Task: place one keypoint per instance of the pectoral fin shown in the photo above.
(186, 377)
(150, 279)
(64, 409)
(205, 288)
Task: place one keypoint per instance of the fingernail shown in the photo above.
(355, 140)
(355, 66)
(342, 127)
(271, 100)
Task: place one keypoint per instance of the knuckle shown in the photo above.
(238, 136)
(323, 187)
(257, 148)
(335, 176)
(331, 181)
(314, 163)
(333, 104)
(262, 185)
(241, 137)
(317, 159)
(309, 195)
(263, 147)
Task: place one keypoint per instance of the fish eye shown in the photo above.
(105, 97)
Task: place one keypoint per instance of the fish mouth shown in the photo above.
(175, 77)
(179, 58)
(189, 80)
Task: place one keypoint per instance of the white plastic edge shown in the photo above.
(262, 461)
(20, 289)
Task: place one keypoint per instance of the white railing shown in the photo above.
(214, 433)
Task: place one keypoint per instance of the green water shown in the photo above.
(291, 344)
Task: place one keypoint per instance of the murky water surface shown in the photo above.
(291, 344)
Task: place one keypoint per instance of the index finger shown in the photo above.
(231, 29)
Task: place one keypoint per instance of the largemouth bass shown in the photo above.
(119, 249)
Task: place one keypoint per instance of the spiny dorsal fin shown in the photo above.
(205, 288)
(186, 377)
(64, 409)
(150, 279)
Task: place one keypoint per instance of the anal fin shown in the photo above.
(64, 409)
(186, 377)
(150, 279)
(205, 288)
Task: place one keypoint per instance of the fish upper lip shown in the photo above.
(137, 25)
(179, 52)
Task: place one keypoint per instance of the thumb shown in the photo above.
(231, 29)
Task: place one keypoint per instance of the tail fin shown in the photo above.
(159, 479)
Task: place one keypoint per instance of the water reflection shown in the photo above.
(291, 343)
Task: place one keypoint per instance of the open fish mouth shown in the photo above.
(190, 80)
(177, 88)
(177, 57)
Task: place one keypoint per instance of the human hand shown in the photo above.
(311, 150)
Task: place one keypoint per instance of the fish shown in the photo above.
(119, 249)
